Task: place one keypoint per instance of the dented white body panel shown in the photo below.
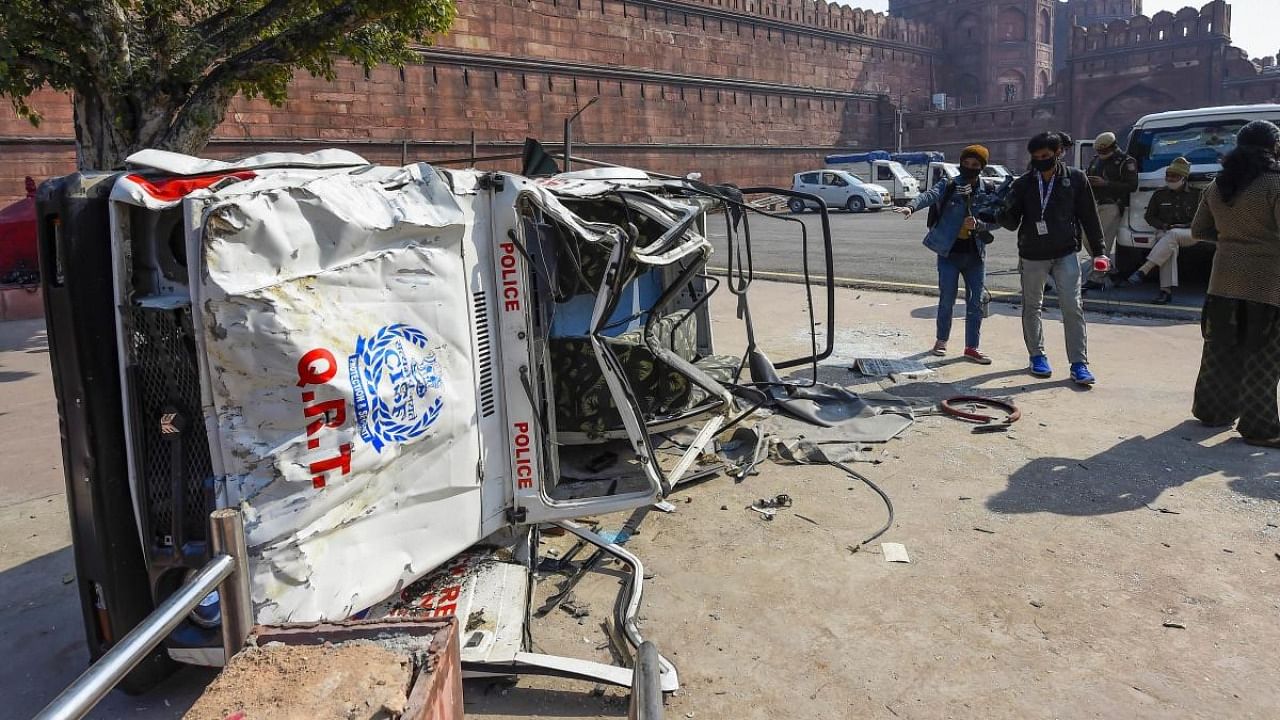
(340, 359)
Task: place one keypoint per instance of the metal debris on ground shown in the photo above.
(769, 508)
(1175, 625)
(575, 609)
(885, 367)
(617, 645)
(970, 408)
(781, 500)
(984, 530)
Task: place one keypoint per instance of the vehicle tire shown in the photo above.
(796, 205)
(855, 204)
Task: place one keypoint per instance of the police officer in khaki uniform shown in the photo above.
(1114, 176)
(1170, 212)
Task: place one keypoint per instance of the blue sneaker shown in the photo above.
(1040, 366)
(1081, 375)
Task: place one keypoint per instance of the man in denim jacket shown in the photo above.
(960, 240)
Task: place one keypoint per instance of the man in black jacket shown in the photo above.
(1045, 207)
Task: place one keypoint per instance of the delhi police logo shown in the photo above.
(396, 382)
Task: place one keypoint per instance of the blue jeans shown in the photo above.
(950, 268)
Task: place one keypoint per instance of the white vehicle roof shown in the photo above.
(1225, 110)
(839, 171)
(179, 164)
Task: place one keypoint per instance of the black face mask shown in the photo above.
(1044, 165)
(970, 173)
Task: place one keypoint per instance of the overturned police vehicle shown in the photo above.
(392, 371)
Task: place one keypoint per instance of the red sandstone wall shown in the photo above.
(761, 78)
(1129, 68)
(687, 41)
(1004, 130)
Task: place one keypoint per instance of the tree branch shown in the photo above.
(250, 26)
(287, 48)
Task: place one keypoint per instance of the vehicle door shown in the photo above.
(841, 190)
(809, 183)
(536, 216)
(1083, 153)
(336, 340)
(833, 190)
(886, 177)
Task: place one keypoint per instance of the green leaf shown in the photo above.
(161, 73)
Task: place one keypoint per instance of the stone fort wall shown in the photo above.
(740, 90)
(1116, 72)
(744, 91)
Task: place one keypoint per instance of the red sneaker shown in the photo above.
(977, 356)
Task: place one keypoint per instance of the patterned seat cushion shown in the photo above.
(583, 402)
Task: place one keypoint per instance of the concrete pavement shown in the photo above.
(1056, 607)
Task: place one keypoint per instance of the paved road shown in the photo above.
(884, 248)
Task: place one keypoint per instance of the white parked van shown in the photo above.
(876, 167)
(992, 175)
(1202, 136)
(939, 171)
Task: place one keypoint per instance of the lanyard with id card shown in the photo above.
(1042, 227)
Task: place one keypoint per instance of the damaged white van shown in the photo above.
(398, 374)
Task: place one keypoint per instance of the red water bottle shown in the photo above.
(1101, 264)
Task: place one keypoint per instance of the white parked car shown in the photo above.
(839, 189)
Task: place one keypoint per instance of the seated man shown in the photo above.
(1170, 212)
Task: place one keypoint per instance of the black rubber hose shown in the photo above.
(887, 502)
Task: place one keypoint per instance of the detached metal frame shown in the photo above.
(227, 572)
(661, 676)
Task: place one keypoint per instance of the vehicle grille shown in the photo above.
(166, 380)
(485, 351)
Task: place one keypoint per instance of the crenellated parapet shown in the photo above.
(837, 18)
(1142, 33)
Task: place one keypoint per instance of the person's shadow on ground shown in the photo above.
(1132, 474)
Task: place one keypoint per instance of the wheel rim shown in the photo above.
(855, 204)
(796, 206)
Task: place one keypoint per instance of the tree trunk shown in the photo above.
(101, 142)
(110, 129)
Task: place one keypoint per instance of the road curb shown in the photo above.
(1107, 307)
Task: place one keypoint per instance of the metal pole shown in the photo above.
(82, 695)
(646, 684)
(227, 538)
(568, 142)
(473, 149)
(900, 123)
(568, 131)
